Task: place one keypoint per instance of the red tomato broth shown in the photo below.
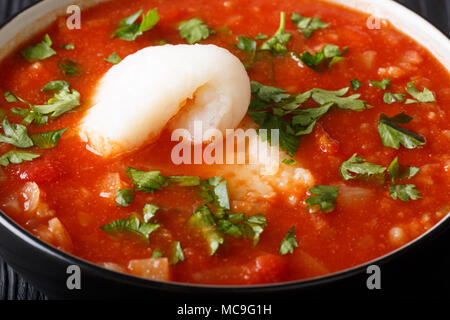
(356, 232)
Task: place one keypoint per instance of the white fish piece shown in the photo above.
(165, 86)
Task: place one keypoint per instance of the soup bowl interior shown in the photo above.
(46, 266)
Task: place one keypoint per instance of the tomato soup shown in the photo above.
(364, 138)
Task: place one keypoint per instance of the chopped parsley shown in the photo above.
(392, 135)
(423, 97)
(69, 67)
(404, 192)
(124, 197)
(289, 242)
(64, 100)
(149, 211)
(17, 157)
(129, 30)
(356, 167)
(396, 171)
(203, 220)
(355, 84)
(15, 134)
(40, 51)
(247, 45)
(157, 254)
(114, 58)
(390, 97)
(47, 140)
(68, 46)
(323, 197)
(10, 97)
(277, 43)
(328, 56)
(308, 25)
(131, 225)
(146, 182)
(176, 253)
(185, 181)
(352, 102)
(383, 84)
(289, 162)
(194, 30)
(305, 120)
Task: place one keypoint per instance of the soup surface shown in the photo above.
(338, 198)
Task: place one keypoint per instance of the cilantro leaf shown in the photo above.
(124, 197)
(355, 84)
(132, 225)
(40, 51)
(329, 55)
(146, 181)
(396, 171)
(308, 25)
(268, 93)
(29, 116)
(261, 36)
(355, 166)
(390, 98)
(114, 58)
(215, 191)
(68, 46)
(17, 157)
(194, 30)
(277, 43)
(289, 242)
(324, 197)
(47, 140)
(336, 97)
(149, 211)
(15, 134)
(157, 254)
(176, 253)
(129, 30)
(383, 84)
(64, 100)
(404, 192)
(10, 97)
(203, 220)
(239, 226)
(248, 45)
(425, 96)
(392, 135)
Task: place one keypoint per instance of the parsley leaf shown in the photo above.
(10, 97)
(131, 224)
(113, 58)
(289, 242)
(237, 225)
(383, 84)
(194, 30)
(64, 100)
(203, 220)
(146, 181)
(69, 67)
(68, 46)
(324, 197)
(268, 93)
(404, 192)
(15, 134)
(29, 116)
(289, 162)
(17, 157)
(149, 211)
(124, 197)
(392, 135)
(336, 97)
(176, 253)
(355, 84)
(305, 119)
(355, 166)
(287, 140)
(40, 51)
(308, 25)
(129, 30)
(425, 96)
(396, 171)
(329, 55)
(248, 45)
(277, 43)
(47, 140)
(215, 191)
(390, 98)
(157, 254)
(185, 181)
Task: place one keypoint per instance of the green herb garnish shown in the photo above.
(194, 30)
(289, 242)
(323, 197)
(17, 157)
(392, 135)
(308, 25)
(277, 43)
(356, 167)
(129, 30)
(40, 51)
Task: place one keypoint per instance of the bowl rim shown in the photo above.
(23, 235)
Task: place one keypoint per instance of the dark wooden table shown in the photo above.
(430, 271)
